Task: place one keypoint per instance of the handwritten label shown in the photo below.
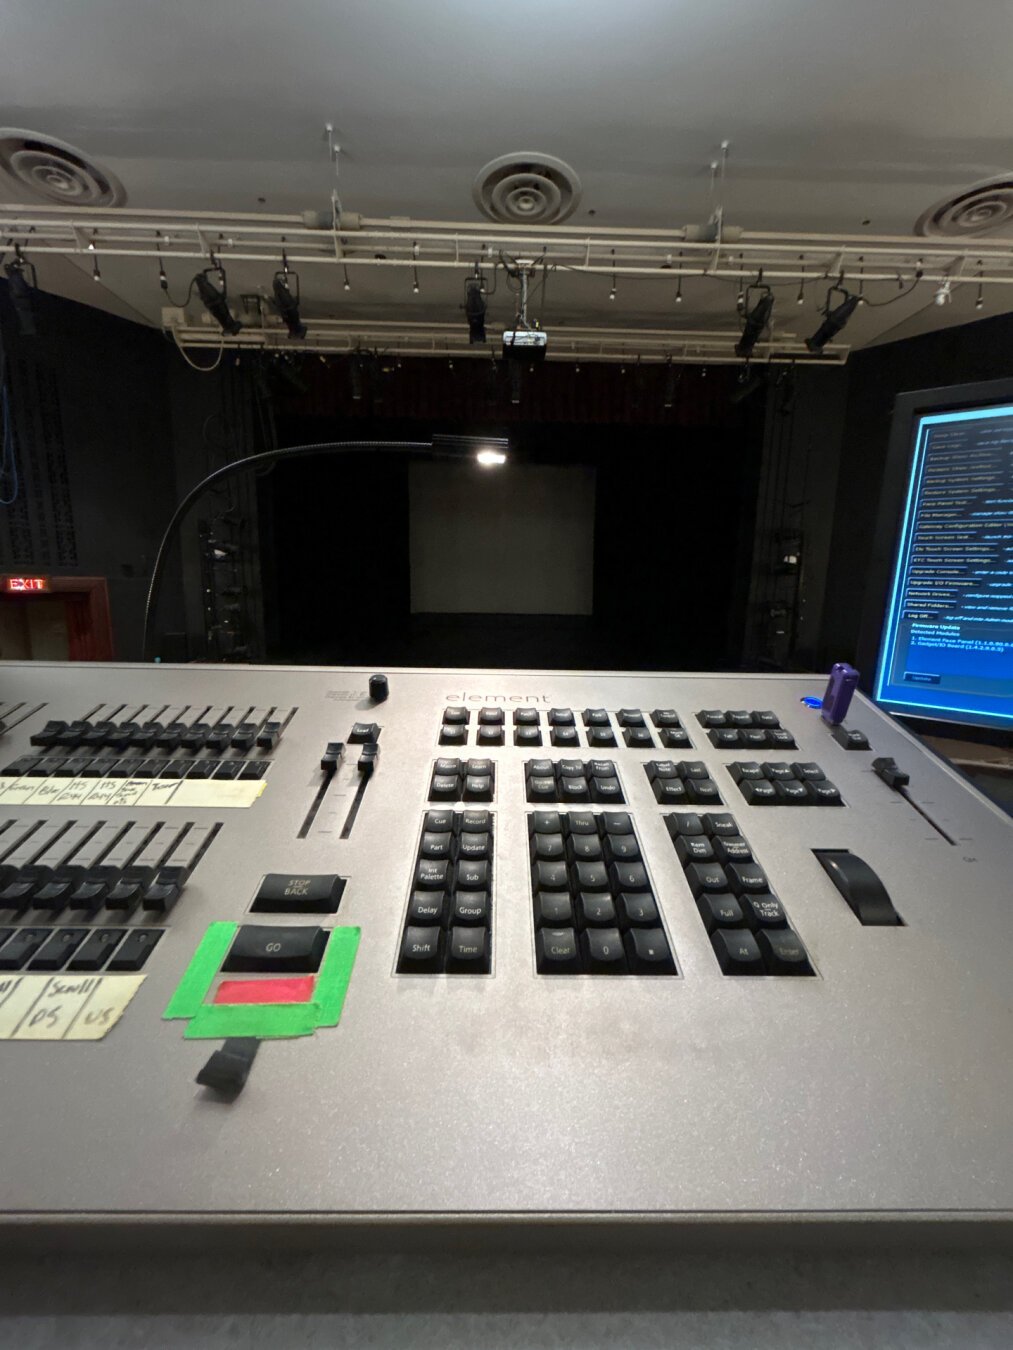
(103, 790)
(127, 791)
(74, 792)
(46, 791)
(159, 792)
(63, 1007)
(106, 792)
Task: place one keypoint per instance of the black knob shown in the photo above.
(378, 688)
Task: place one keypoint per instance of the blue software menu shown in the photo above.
(947, 648)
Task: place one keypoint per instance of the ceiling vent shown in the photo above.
(527, 188)
(984, 207)
(55, 171)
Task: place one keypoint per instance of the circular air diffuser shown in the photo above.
(985, 206)
(527, 188)
(55, 171)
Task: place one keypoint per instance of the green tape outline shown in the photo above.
(335, 973)
(264, 1020)
(199, 975)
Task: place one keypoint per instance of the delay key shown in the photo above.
(257, 947)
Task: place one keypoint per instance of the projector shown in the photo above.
(527, 344)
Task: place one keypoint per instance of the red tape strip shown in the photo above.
(299, 990)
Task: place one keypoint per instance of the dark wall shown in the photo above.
(218, 416)
(675, 496)
(854, 595)
(795, 507)
(95, 453)
(112, 427)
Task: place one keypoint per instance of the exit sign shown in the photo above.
(24, 585)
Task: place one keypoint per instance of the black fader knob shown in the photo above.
(378, 688)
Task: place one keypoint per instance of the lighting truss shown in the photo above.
(345, 336)
(350, 241)
(354, 240)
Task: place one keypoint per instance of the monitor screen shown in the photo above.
(947, 643)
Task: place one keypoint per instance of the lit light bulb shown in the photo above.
(490, 459)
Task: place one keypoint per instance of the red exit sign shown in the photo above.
(21, 585)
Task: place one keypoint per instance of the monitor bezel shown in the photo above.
(908, 408)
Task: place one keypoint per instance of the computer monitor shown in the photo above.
(946, 650)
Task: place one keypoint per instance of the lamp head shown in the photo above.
(490, 458)
(491, 452)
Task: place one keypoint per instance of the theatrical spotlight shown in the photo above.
(215, 301)
(833, 319)
(287, 302)
(20, 290)
(756, 321)
(475, 307)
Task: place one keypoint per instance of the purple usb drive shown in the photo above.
(842, 684)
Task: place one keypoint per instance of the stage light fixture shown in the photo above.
(475, 307)
(20, 290)
(287, 301)
(215, 301)
(756, 321)
(347, 284)
(833, 319)
(96, 275)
